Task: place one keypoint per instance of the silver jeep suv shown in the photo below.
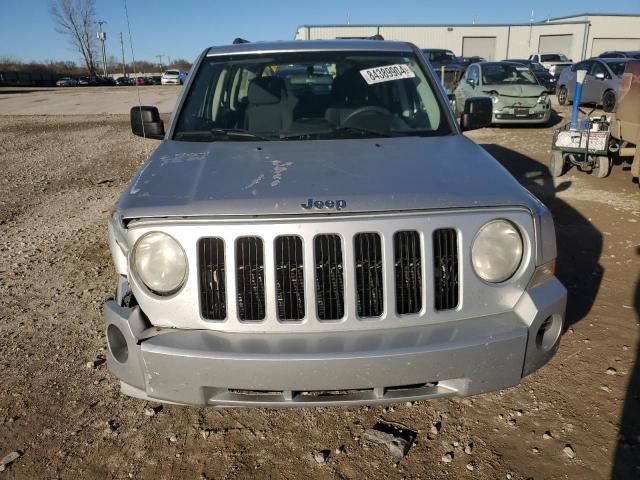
(314, 229)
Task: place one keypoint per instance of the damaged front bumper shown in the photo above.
(207, 367)
(538, 114)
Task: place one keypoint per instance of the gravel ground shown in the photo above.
(577, 418)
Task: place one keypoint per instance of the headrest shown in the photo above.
(350, 86)
(265, 90)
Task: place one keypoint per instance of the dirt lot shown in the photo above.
(61, 176)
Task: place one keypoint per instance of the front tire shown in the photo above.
(609, 101)
(602, 166)
(563, 95)
(556, 166)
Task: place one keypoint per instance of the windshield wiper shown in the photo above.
(220, 134)
(361, 131)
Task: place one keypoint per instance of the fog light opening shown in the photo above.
(117, 344)
(548, 332)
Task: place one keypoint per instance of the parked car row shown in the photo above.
(170, 77)
(85, 81)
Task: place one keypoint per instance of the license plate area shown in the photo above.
(521, 112)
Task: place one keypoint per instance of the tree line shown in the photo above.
(9, 64)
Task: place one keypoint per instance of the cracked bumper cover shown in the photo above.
(207, 367)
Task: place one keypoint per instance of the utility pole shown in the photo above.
(102, 36)
(530, 29)
(159, 57)
(124, 73)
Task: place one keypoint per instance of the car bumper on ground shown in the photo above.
(539, 114)
(207, 367)
(170, 81)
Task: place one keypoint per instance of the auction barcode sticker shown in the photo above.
(386, 73)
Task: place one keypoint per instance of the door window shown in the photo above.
(581, 66)
(473, 75)
(595, 68)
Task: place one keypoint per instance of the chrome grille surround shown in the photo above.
(476, 297)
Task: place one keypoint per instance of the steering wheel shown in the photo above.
(364, 110)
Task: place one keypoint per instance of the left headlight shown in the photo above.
(543, 98)
(496, 252)
(160, 263)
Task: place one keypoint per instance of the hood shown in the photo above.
(348, 176)
(515, 90)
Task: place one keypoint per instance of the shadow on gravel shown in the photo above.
(627, 458)
(579, 242)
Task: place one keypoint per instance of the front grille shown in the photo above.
(346, 273)
(289, 277)
(213, 303)
(250, 278)
(328, 281)
(408, 272)
(445, 268)
(368, 272)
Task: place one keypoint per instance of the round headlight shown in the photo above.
(497, 251)
(160, 263)
(495, 98)
(544, 98)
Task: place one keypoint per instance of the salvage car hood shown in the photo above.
(279, 177)
(520, 91)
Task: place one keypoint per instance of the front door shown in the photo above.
(467, 87)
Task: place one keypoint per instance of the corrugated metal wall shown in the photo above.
(511, 41)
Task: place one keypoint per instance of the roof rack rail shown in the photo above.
(238, 40)
(377, 36)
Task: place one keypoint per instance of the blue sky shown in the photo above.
(182, 28)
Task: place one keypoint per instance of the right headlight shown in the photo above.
(160, 263)
(496, 252)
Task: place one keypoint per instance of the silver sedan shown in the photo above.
(601, 84)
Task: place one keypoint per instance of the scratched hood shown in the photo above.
(520, 91)
(278, 177)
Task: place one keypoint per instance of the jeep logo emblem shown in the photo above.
(320, 204)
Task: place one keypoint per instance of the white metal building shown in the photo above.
(578, 37)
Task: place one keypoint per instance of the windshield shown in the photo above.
(171, 72)
(310, 95)
(555, 57)
(440, 56)
(617, 67)
(507, 74)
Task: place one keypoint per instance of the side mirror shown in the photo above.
(452, 101)
(471, 82)
(600, 76)
(477, 113)
(146, 122)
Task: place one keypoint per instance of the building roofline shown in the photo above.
(380, 25)
(592, 15)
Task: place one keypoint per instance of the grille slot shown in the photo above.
(328, 277)
(368, 273)
(445, 268)
(213, 303)
(408, 272)
(289, 277)
(250, 278)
